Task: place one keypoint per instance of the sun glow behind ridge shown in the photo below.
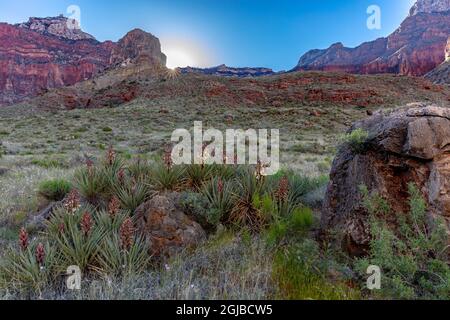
(178, 57)
(182, 53)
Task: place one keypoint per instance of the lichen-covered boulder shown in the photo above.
(409, 145)
(167, 228)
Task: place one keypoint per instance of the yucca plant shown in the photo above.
(75, 236)
(116, 260)
(244, 212)
(221, 199)
(140, 169)
(131, 193)
(164, 178)
(91, 183)
(198, 174)
(30, 268)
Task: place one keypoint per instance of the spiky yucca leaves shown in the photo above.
(244, 212)
(221, 199)
(131, 193)
(198, 174)
(91, 183)
(167, 178)
(114, 260)
(140, 169)
(30, 269)
(110, 224)
(68, 235)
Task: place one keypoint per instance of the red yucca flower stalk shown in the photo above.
(61, 228)
(111, 156)
(113, 206)
(168, 158)
(90, 166)
(121, 175)
(72, 202)
(283, 189)
(126, 234)
(40, 254)
(86, 223)
(23, 239)
(220, 186)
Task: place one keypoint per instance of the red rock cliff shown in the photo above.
(415, 48)
(45, 53)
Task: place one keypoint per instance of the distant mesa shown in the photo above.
(226, 71)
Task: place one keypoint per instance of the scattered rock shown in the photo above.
(409, 145)
(169, 230)
(3, 171)
(37, 221)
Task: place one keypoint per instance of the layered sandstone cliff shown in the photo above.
(415, 48)
(46, 53)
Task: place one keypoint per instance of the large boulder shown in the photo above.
(168, 229)
(409, 145)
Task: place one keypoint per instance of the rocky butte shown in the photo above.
(415, 48)
(45, 53)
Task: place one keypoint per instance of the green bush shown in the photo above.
(356, 140)
(55, 190)
(413, 256)
(300, 271)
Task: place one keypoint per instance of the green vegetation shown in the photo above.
(356, 140)
(413, 257)
(55, 190)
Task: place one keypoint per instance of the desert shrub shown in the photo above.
(198, 207)
(301, 270)
(292, 227)
(413, 258)
(356, 140)
(54, 190)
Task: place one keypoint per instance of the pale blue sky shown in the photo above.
(270, 33)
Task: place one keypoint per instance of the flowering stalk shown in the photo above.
(23, 239)
(126, 234)
(86, 223)
(113, 206)
(72, 202)
(40, 254)
(111, 156)
(283, 189)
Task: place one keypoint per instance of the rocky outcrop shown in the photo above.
(226, 71)
(57, 26)
(415, 48)
(167, 228)
(429, 6)
(411, 145)
(45, 53)
(441, 75)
